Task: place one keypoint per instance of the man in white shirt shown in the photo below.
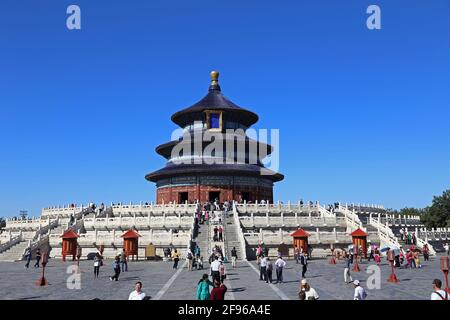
(137, 294)
(262, 270)
(279, 265)
(438, 294)
(215, 267)
(310, 293)
(360, 293)
(447, 248)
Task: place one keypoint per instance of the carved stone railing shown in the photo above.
(12, 242)
(239, 233)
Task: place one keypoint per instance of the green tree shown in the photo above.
(438, 214)
(2, 222)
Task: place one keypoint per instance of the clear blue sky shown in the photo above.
(363, 115)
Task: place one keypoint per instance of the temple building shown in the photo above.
(232, 173)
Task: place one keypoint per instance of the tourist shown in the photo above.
(347, 275)
(216, 230)
(176, 258)
(438, 293)
(447, 248)
(262, 269)
(301, 295)
(137, 294)
(360, 293)
(310, 293)
(220, 230)
(215, 269)
(203, 288)
(218, 292)
(426, 252)
(402, 234)
(413, 238)
(222, 272)
(200, 263)
(189, 258)
(116, 268)
(410, 262)
(28, 256)
(123, 261)
(233, 257)
(258, 253)
(197, 251)
(296, 255)
(97, 264)
(269, 268)
(279, 266)
(38, 258)
(304, 263)
(416, 259)
(371, 253)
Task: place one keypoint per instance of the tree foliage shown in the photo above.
(438, 214)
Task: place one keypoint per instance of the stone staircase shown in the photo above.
(15, 253)
(231, 237)
(202, 241)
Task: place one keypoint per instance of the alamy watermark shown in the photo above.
(234, 146)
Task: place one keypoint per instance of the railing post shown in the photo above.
(245, 206)
(252, 219)
(335, 235)
(318, 235)
(267, 219)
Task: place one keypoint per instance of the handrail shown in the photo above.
(352, 219)
(12, 242)
(239, 232)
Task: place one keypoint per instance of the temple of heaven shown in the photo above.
(214, 159)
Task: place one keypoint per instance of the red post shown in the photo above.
(333, 259)
(42, 281)
(392, 278)
(444, 268)
(355, 265)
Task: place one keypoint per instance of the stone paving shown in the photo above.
(162, 282)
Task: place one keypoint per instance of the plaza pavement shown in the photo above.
(162, 282)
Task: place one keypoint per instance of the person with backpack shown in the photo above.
(189, 258)
(438, 293)
(116, 268)
(360, 293)
(304, 263)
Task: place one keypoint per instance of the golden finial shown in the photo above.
(214, 78)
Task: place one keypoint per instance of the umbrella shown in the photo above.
(350, 247)
(385, 248)
(417, 250)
